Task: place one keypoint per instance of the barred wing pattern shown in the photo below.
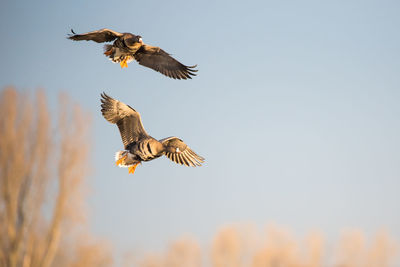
(127, 119)
(177, 151)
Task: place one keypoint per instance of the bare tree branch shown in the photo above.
(42, 170)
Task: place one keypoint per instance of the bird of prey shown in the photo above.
(128, 46)
(138, 145)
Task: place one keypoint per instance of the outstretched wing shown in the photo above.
(159, 60)
(127, 119)
(100, 36)
(177, 151)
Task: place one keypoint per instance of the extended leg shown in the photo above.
(123, 63)
(133, 168)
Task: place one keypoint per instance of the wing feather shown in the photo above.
(192, 162)
(157, 59)
(179, 157)
(127, 119)
(184, 158)
(100, 36)
(179, 152)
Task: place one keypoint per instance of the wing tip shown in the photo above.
(105, 96)
(71, 35)
(105, 101)
(189, 72)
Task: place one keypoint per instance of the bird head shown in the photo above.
(133, 40)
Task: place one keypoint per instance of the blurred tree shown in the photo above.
(42, 169)
(234, 245)
(184, 252)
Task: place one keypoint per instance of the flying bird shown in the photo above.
(138, 145)
(127, 46)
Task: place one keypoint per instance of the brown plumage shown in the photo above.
(139, 146)
(128, 46)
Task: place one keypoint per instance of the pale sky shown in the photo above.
(295, 108)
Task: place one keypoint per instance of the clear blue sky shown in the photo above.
(295, 108)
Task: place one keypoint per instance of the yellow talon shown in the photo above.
(123, 63)
(133, 168)
(120, 161)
